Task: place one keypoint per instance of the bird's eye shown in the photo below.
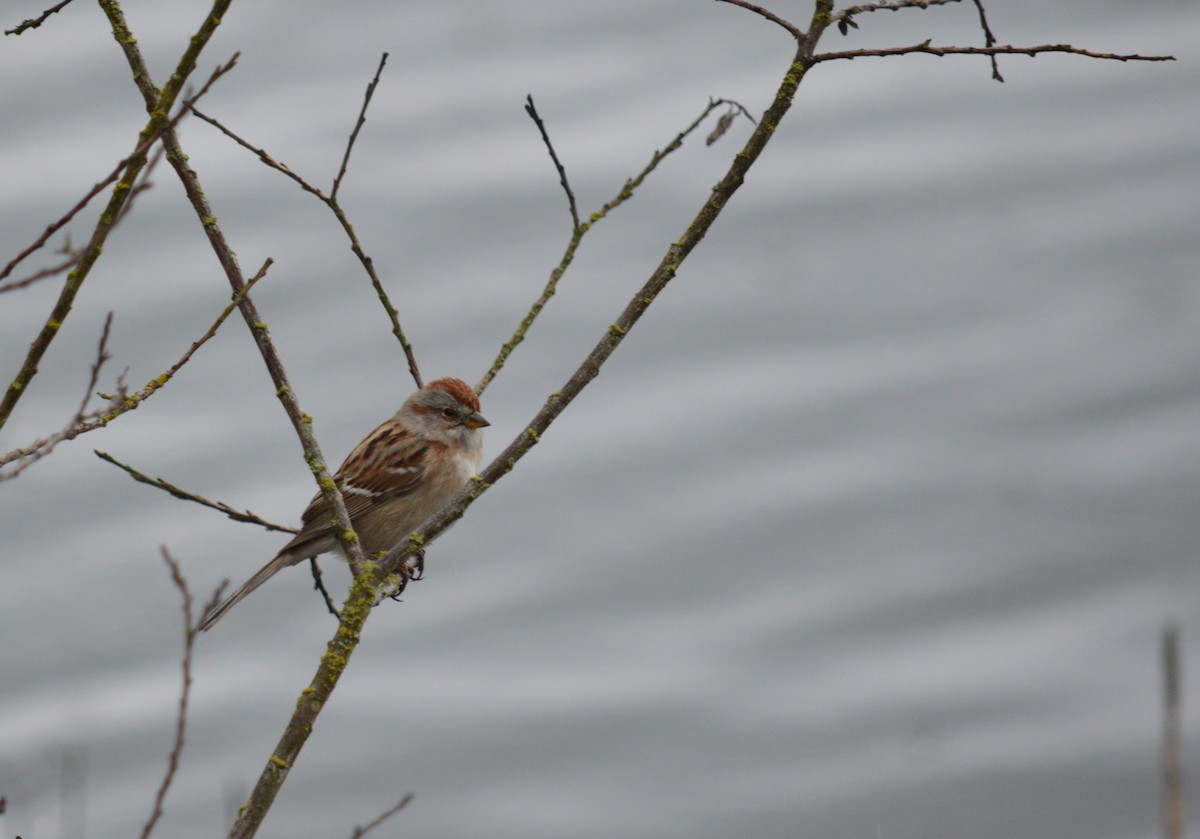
(449, 413)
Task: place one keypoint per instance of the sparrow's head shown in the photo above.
(445, 410)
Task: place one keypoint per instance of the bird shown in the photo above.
(399, 475)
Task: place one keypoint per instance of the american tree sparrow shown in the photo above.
(398, 476)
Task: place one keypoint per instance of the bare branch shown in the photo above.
(896, 6)
(72, 255)
(360, 832)
(140, 150)
(144, 182)
(122, 402)
(33, 454)
(332, 202)
(989, 40)
(189, 639)
(1172, 757)
(319, 585)
(580, 230)
(362, 118)
(158, 125)
(531, 109)
(771, 16)
(263, 156)
(301, 422)
(845, 18)
(34, 23)
(1004, 50)
(220, 506)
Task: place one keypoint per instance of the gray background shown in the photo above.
(869, 529)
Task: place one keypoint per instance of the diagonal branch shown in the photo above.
(37, 452)
(43, 273)
(220, 506)
(360, 832)
(124, 402)
(391, 572)
(581, 229)
(73, 255)
(332, 203)
(769, 15)
(301, 422)
(34, 23)
(531, 109)
(159, 125)
(362, 118)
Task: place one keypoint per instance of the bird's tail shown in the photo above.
(283, 560)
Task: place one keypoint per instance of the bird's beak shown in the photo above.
(475, 420)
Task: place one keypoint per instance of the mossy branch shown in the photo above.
(301, 422)
(43, 447)
(127, 172)
(580, 229)
(393, 570)
(126, 402)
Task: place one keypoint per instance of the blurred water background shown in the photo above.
(868, 530)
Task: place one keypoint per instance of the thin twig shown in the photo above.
(34, 23)
(72, 257)
(301, 422)
(989, 40)
(158, 126)
(896, 6)
(332, 202)
(144, 183)
(33, 455)
(362, 118)
(189, 639)
(531, 109)
(1172, 759)
(771, 16)
(220, 506)
(140, 150)
(123, 402)
(845, 18)
(360, 832)
(1004, 50)
(262, 155)
(580, 230)
(101, 357)
(319, 585)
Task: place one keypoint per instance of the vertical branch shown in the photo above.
(989, 40)
(362, 118)
(189, 641)
(1172, 767)
(531, 109)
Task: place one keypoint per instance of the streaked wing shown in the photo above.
(387, 464)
